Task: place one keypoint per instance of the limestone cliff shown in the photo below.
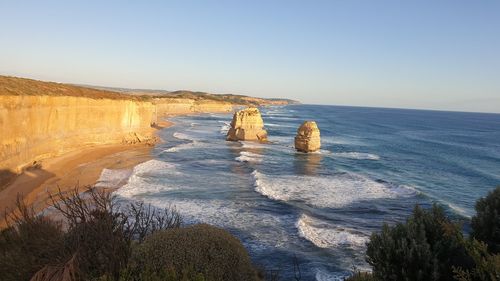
(174, 106)
(40, 120)
(37, 127)
(247, 124)
(308, 137)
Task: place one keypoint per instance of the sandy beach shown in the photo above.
(78, 168)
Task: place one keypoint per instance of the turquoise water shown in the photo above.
(374, 166)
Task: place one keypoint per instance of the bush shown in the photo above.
(28, 244)
(486, 265)
(426, 247)
(486, 223)
(96, 243)
(200, 250)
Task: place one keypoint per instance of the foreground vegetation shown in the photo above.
(429, 246)
(100, 240)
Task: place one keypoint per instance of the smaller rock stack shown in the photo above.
(247, 124)
(308, 137)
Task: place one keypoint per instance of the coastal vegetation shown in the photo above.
(429, 246)
(98, 239)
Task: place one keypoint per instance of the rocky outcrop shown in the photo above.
(308, 137)
(247, 124)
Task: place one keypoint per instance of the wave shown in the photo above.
(326, 235)
(338, 140)
(225, 128)
(279, 117)
(246, 156)
(233, 215)
(141, 180)
(324, 276)
(182, 136)
(251, 144)
(183, 146)
(356, 155)
(276, 125)
(334, 191)
(113, 178)
(458, 210)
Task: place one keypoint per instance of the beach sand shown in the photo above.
(78, 168)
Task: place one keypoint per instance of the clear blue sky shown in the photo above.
(415, 54)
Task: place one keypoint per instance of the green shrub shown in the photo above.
(206, 250)
(486, 265)
(426, 247)
(486, 223)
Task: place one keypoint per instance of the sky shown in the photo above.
(428, 54)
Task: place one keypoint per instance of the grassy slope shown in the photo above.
(23, 86)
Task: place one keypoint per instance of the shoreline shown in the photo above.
(80, 168)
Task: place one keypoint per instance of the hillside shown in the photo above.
(236, 99)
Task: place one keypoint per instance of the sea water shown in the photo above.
(319, 208)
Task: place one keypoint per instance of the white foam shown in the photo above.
(277, 125)
(138, 182)
(182, 136)
(280, 117)
(232, 215)
(250, 144)
(356, 155)
(225, 128)
(333, 191)
(113, 178)
(341, 140)
(326, 235)
(325, 276)
(246, 156)
(183, 146)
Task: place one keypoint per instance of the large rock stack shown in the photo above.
(247, 124)
(308, 137)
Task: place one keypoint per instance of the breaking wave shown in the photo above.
(334, 191)
(324, 276)
(326, 235)
(141, 180)
(182, 136)
(113, 178)
(246, 156)
(225, 128)
(182, 146)
(356, 155)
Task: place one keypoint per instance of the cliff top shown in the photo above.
(22, 86)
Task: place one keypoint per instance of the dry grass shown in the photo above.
(22, 86)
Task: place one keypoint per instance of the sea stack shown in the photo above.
(247, 124)
(308, 137)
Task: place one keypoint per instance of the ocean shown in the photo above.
(319, 208)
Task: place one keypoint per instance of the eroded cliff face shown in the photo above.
(35, 127)
(173, 106)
